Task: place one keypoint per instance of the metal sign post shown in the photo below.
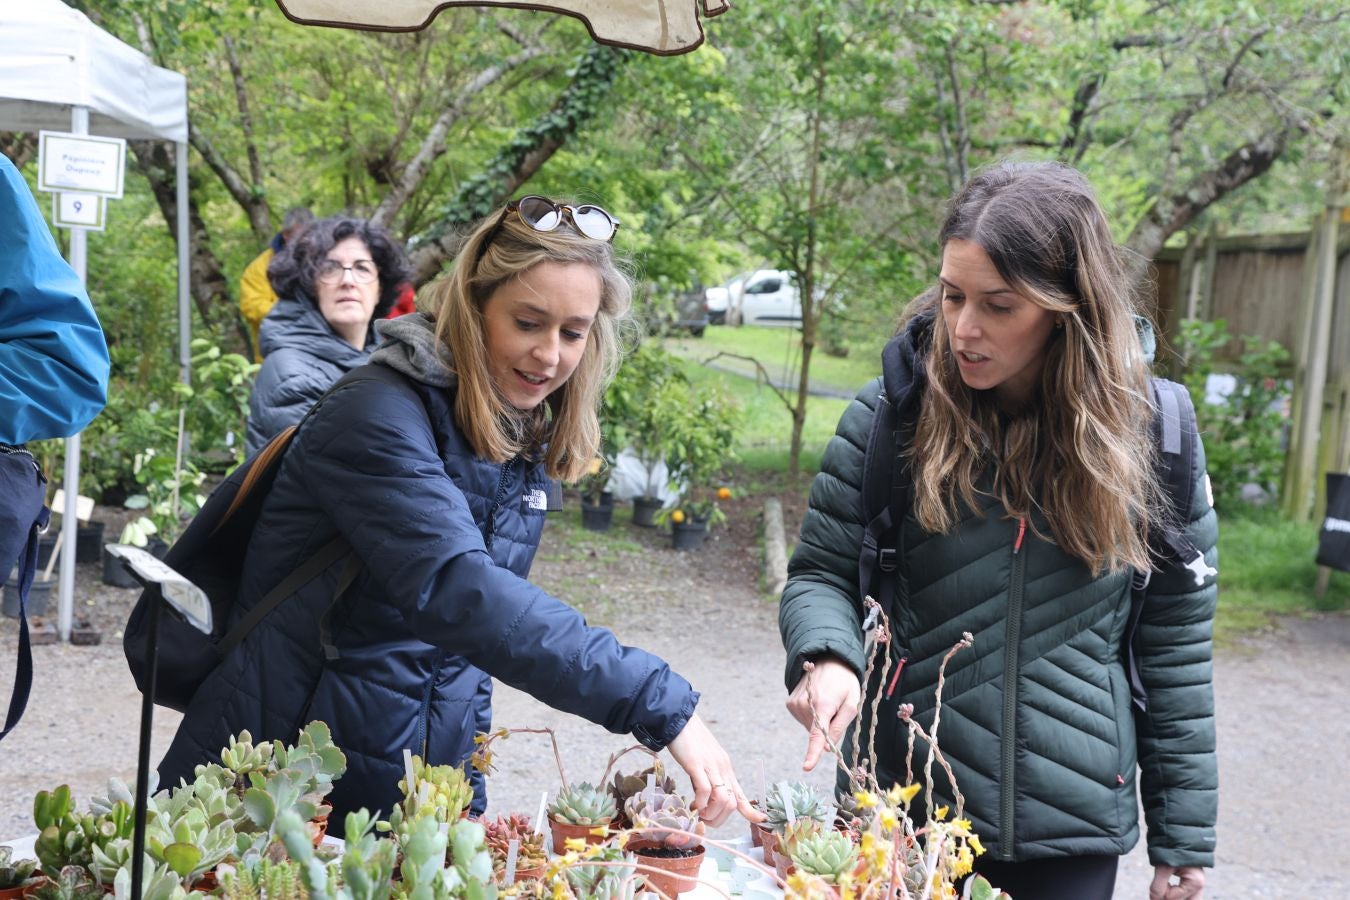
(192, 604)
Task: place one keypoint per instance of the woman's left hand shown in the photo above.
(1190, 886)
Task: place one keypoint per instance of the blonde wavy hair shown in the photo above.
(565, 428)
(1081, 452)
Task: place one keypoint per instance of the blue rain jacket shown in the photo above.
(53, 358)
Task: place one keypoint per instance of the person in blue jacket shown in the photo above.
(334, 280)
(437, 475)
(53, 366)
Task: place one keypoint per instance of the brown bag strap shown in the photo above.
(261, 463)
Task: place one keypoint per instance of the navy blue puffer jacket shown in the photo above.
(446, 541)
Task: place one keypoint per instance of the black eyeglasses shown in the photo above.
(543, 215)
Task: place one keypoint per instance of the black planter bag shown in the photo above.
(23, 517)
(1333, 542)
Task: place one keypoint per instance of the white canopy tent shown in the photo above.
(60, 72)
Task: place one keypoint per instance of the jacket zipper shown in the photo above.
(497, 504)
(1009, 742)
(424, 719)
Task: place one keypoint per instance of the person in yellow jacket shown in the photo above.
(256, 296)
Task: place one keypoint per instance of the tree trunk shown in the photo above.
(1174, 212)
(517, 161)
(209, 286)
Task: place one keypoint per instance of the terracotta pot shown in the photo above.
(678, 873)
(25, 890)
(770, 846)
(206, 883)
(318, 826)
(563, 831)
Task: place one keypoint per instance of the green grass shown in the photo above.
(1267, 568)
(764, 438)
(779, 351)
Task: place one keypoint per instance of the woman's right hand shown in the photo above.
(832, 701)
(717, 793)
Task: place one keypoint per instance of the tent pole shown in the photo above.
(184, 262)
(79, 258)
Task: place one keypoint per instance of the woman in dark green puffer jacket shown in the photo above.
(1023, 397)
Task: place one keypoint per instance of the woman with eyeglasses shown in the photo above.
(433, 464)
(1053, 504)
(333, 281)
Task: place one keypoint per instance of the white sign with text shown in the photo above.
(81, 162)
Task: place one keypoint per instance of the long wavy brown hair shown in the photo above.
(565, 428)
(1080, 453)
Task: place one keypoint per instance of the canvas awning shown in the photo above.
(61, 72)
(663, 27)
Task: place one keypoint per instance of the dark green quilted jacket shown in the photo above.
(1037, 721)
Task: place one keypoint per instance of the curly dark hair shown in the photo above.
(293, 271)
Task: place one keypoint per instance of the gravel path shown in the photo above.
(1284, 829)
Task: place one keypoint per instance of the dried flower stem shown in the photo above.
(485, 741)
(932, 738)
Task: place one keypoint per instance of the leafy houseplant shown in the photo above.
(650, 391)
(701, 444)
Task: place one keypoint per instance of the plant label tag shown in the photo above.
(84, 506)
(189, 600)
(537, 499)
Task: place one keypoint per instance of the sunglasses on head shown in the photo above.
(543, 215)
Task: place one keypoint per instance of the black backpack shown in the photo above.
(887, 494)
(210, 554)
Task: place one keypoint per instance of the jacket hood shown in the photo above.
(902, 370)
(298, 324)
(409, 345)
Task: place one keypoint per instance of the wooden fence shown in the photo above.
(1290, 288)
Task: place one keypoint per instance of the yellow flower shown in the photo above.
(961, 826)
(904, 794)
(889, 821)
(597, 463)
(866, 800)
(575, 845)
(976, 845)
(677, 516)
(940, 813)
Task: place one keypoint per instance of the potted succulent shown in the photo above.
(824, 853)
(71, 883)
(16, 876)
(583, 811)
(786, 803)
(531, 855)
(624, 787)
(668, 839)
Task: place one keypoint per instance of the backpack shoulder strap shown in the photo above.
(264, 464)
(886, 499)
(1174, 431)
